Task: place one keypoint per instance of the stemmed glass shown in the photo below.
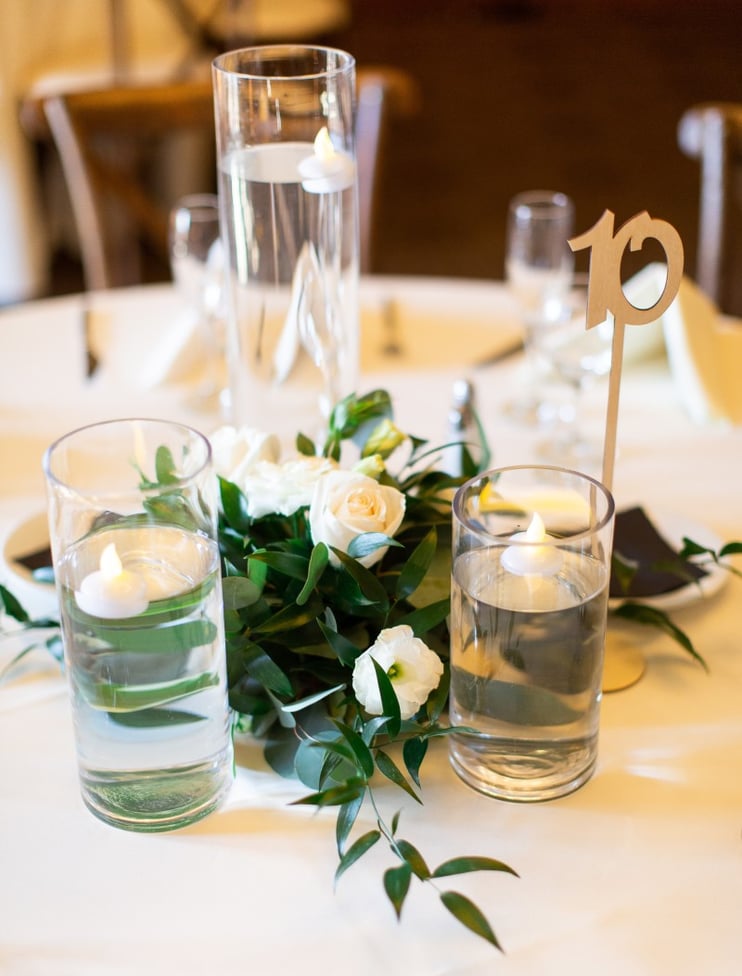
(578, 357)
(538, 267)
(197, 265)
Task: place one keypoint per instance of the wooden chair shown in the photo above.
(103, 137)
(712, 133)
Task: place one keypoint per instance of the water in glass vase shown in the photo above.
(526, 665)
(293, 263)
(149, 691)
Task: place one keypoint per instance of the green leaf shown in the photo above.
(286, 563)
(512, 702)
(234, 506)
(12, 606)
(368, 542)
(174, 640)
(125, 698)
(239, 592)
(368, 582)
(389, 700)
(414, 858)
(469, 915)
(397, 884)
(146, 718)
(414, 570)
(427, 618)
(730, 548)
(356, 851)
(413, 753)
(345, 650)
(346, 818)
(360, 749)
(291, 617)
(264, 669)
(317, 564)
(389, 768)
(165, 466)
(642, 613)
(465, 865)
(305, 446)
(335, 795)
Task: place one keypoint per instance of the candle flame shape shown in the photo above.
(323, 146)
(536, 531)
(110, 564)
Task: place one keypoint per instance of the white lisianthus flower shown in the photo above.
(283, 488)
(235, 451)
(346, 504)
(413, 669)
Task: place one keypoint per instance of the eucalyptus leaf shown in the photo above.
(465, 865)
(356, 851)
(368, 542)
(317, 564)
(397, 884)
(413, 752)
(286, 563)
(239, 592)
(345, 650)
(469, 915)
(234, 506)
(335, 795)
(146, 718)
(513, 703)
(265, 670)
(389, 768)
(389, 700)
(642, 613)
(361, 751)
(414, 858)
(346, 818)
(13, 606)
(417, 566)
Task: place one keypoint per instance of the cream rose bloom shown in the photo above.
(346, 504)
(413, 669)
(236, 451)
(283, 488)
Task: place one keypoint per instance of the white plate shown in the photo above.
(673, 527)
(30, 535)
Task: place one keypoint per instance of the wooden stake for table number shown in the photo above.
(623, 664)
(605, 296)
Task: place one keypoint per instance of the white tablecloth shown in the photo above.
(638, 872)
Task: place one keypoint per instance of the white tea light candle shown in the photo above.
(112, 592)
(532, 560)
(326, 170)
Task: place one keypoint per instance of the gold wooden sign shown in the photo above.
(606, 296)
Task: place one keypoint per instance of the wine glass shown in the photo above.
(578, 357)
(197, 265)
(538, 268)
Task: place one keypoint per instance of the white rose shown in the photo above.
(346, 504)
(236, 451)
(283, 488)
(413, 669)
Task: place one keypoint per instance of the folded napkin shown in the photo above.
(179, 353)
(704, 349)
(638, 541)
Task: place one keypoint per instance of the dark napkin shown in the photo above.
(637, 540)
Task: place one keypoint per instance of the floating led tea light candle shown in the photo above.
(326, 170)
(532, 560)
(112, 592)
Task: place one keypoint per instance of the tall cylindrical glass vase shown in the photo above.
(289, 212)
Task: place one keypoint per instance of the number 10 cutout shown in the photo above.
(605, 296)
